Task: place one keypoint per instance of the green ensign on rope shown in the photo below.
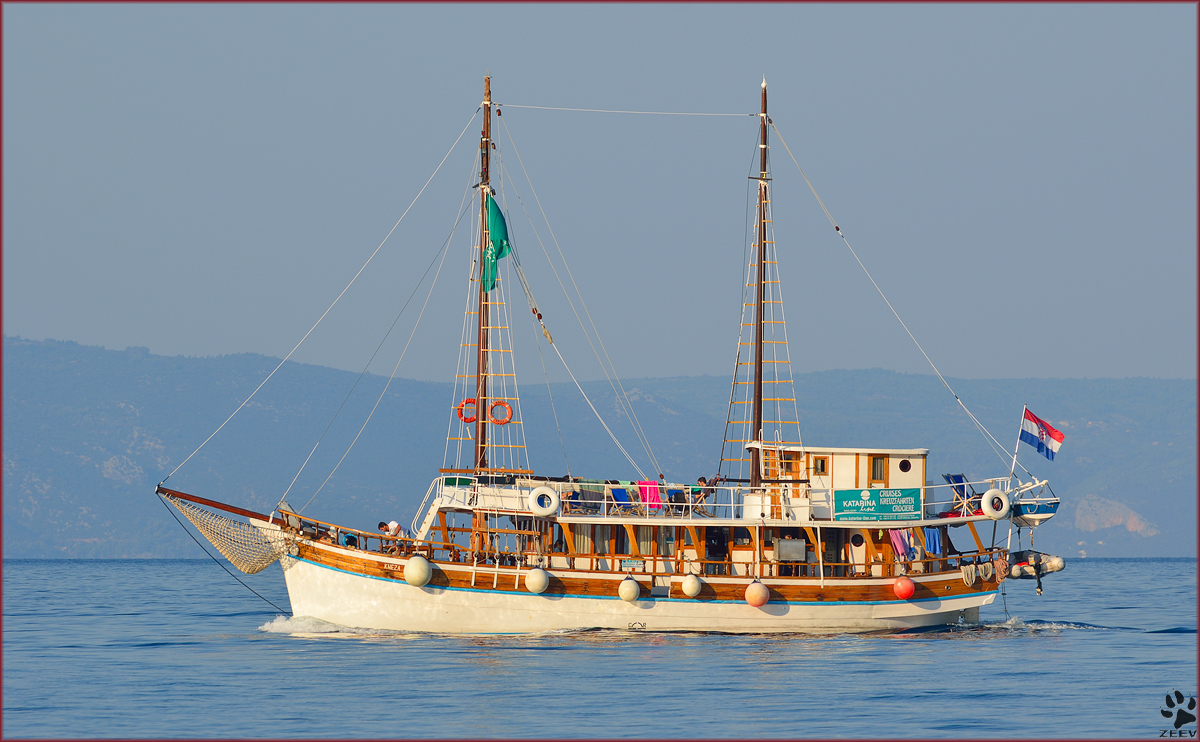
(497, 243)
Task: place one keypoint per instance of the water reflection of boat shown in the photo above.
(790, 537)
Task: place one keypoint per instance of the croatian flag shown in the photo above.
(1039, 434)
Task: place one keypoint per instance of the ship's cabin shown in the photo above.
(818, 512)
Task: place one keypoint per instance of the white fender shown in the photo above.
(996, 504)
(757, 594)
(692, 586)
(629, 590)
(535, 501)
(418, 571)
(537, 580)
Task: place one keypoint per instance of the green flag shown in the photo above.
(497, 243)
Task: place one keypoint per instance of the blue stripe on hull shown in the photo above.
(615, 597)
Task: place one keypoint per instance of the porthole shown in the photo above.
(905, 465)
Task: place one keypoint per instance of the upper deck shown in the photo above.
(779, 503)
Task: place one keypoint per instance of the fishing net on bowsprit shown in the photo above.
(247, 547)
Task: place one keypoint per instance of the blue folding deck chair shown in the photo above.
(958, 483)
(622, 503)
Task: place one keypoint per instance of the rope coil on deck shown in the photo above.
(247, 547)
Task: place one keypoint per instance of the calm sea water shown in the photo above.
(161, 648)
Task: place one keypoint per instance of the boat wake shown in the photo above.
(1016, 623)
(307, 626)
(1013, 626)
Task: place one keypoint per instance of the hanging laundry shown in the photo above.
(933, 541)
(902, 545)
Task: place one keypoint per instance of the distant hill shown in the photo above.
(88, 432)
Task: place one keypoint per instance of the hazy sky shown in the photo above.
(204, 179)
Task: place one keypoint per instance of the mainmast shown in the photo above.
(760, 290)
(483, 314)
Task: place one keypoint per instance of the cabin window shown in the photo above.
(602, 536)
(645, 538)
(879, 471)
(741, 536)
(905, 465)
(789, 466)
(583, 539)
(666, 541)
(622, 540)
(820, 466)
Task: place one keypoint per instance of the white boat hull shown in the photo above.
(362, 601)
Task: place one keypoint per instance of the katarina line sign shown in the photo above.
(902, 504)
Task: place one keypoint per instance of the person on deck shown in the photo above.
(393, 529)
(709, 487)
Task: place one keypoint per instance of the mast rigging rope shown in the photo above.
(603, 110)
(991, 439)
(516, 261)
(218, 561)
(622, 398)
(335, 301)
(462, 212)
(391, 377)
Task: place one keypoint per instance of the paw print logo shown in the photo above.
(1175, 708)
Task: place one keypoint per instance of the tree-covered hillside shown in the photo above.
(88, 432)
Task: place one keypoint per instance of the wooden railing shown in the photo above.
(533, 550)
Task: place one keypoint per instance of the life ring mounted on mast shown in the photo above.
(474, 411)
(508, 412)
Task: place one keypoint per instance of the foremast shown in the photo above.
(486, 433)
(484, 311)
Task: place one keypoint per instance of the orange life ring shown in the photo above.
(492, 412)
(461, 405)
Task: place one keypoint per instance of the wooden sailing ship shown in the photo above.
(798, 538)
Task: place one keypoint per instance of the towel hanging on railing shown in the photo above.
(933, 541)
